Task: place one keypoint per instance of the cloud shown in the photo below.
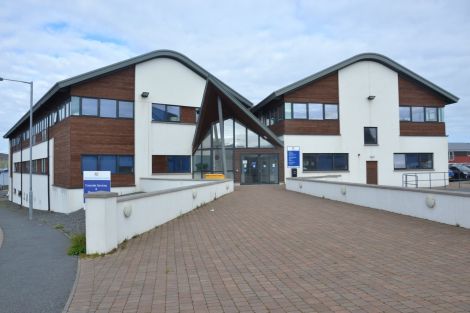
(254, 46)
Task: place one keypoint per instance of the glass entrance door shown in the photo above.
(259, 169)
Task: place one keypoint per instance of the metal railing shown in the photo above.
(425, 179)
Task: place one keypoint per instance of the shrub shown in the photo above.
(77, 245)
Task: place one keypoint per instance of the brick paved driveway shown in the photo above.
(265, 249)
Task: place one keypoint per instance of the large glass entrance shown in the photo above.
(259, 169)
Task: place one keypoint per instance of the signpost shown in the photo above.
(94, 181)
(293, 157)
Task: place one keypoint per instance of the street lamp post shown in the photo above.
(30, 211)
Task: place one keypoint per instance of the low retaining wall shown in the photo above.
(149, 184)
(111, 219)
(446, 207)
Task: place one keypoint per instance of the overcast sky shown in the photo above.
(255, 47)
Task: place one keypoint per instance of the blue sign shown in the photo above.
(94, 181)
(293, 156)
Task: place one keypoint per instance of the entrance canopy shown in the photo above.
(231, 107)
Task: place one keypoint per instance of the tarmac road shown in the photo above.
(36, 274)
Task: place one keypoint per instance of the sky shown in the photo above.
(255, 47)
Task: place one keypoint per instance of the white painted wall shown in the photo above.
(168, 82)
(356, 83)
(451, 208)
(157, 184)
(107, 225)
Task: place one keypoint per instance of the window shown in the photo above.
(178, 164)
(370, 135)
(240, 136)
(417, 114)
(89, 163)
(315, 111)
(402, 161)
(288, 110)
(405, 114)
(75, 106)
(116, 164)
(431, 114)
(252, 139)
(331, 111)
(108, 108)
(126, 109)
(325, 161)
(421, 114)
(165, 113)
(107, 163)
(125, 164)
(299, 110)
(89, 107)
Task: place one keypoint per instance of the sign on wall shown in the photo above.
(94, 181)
(293, 156)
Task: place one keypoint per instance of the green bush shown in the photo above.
(78, 245)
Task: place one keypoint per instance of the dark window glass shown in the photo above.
(178, 164)
(125, 164)
(108, 108)
(405, 114)
(173, 113)
(417, 114)
(425, 160)
(331, 111)
(89, 163)
(315, 111)
(325, 161)
(89, 107)
(340, 161)
(165, 113)
(107, 163)
(126, 109)
(431, 114)
(370, 135)
(75, 106)
(159, 112)
(413, 161)
(299, 110)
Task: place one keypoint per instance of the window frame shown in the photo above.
(166, 113)
(419, 155)
(180, 157)
(376, 143)
(307, 105)
(333, 169)
(117, 162)
(439, 118)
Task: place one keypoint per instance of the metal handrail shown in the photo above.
(406, 182)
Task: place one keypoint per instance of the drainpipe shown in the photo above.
(21, 170)
(221, 122)
(48, 174)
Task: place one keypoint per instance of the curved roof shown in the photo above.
(450, 98)
(123, 64)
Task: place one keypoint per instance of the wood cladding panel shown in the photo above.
(412, 93)
(118, 85)
(188, 115)
(422, 129)
(324, 90)
(61, 134)
(76, 136)
(237, 160)
(306, 127)
(159, 164)
(92, 135)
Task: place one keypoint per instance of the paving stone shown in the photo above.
(265, 249)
